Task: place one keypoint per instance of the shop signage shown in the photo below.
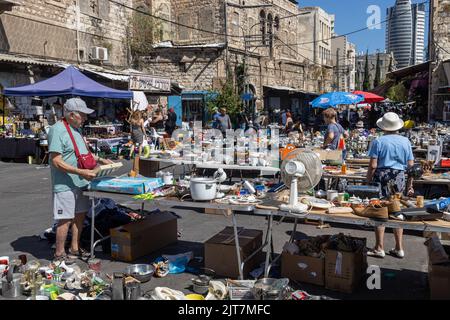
(149, 84)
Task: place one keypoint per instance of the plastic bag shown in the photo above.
(178, 263)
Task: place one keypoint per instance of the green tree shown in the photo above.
(398, 93)
(377, 80)
(357, 81)
(226, 98)
(143, 31)
(240, 72)
(366, 81)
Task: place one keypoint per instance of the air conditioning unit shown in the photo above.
(99, 53)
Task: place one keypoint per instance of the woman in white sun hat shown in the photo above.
(390, 156)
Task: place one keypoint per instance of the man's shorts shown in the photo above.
(69, 203)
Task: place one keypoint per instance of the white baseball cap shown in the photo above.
(78, 105)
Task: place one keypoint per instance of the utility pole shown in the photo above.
(226, 35)
(337, 68)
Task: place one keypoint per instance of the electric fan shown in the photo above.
(301, 170)
(220, 176)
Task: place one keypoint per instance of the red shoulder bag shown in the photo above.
(84, 161)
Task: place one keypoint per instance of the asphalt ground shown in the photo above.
(25, 212)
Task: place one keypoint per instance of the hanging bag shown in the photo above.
(341, 143)
(84, 161)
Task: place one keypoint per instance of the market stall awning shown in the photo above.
(333, 99)
(14, 58)
(369, 97)
(408, 71)
(70, 82)
(289, 89)
(198, 95)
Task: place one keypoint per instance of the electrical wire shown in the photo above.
(236, 36)
(362, 29)
(439, 46)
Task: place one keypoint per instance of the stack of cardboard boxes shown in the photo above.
(336, 269)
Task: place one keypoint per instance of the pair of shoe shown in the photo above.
(372, 211)
(397, 216)
(57, 260)
(381, 254)
(80, 254)
(71, 257)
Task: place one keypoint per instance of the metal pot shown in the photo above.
(201, 284)
(132, 291)
(11, 289)
(141, 272)
(321, 194)
(203, 189)
(270, 289)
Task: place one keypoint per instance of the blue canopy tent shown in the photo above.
(70, 82)
(333, 99)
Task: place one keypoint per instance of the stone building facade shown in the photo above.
(343, 57)
(387, 61)
(261, 37)
(67, 30)
(439, 93)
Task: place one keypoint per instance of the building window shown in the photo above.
(276, 24)
(285, 39)
(270, 29)
(165, 31)
(206, 22)
(235, 24)
(183, 32)
(251, 25)
(293, 45)
(94, 8)
(262, 25)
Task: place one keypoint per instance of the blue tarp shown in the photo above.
(70, 82)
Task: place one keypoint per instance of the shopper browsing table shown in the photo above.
(224, 121)
(68, 181)
(138, 134)
(390, 156)
(334, 130)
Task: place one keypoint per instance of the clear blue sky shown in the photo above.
(352, 15)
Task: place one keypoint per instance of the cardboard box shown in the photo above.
(344, 271)
(221, 212)
(439, 279)
(149, 168)
(333, 155)
(140, 238)
(303, 269)
(220, 251)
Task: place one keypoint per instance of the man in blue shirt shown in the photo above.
(390, 156)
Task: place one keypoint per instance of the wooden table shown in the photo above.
(168, 203)
(271, 209)
(332, 180)
(268, 209)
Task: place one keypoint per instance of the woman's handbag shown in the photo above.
(84, 161)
